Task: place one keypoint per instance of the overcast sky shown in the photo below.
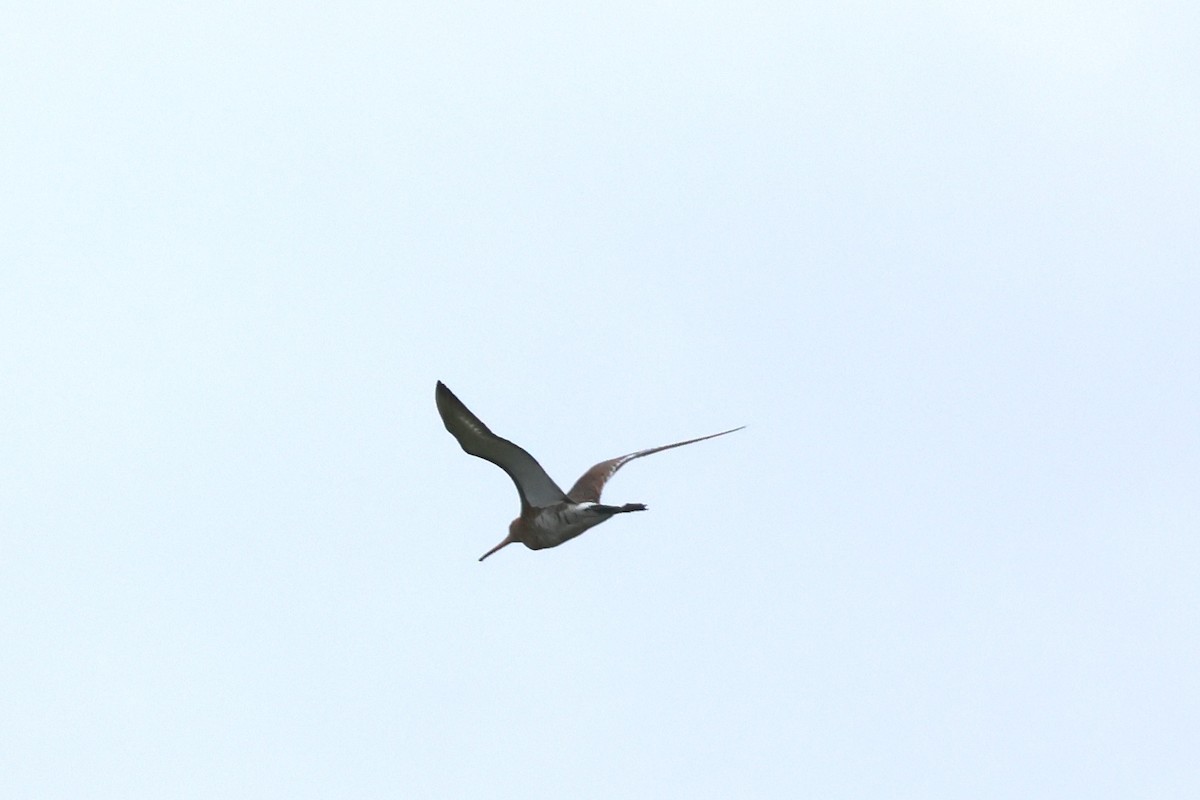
(942, 260)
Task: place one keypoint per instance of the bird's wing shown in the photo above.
(533, 484)
(588, 487)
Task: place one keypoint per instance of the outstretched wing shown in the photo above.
(533, 484)
(588, 487)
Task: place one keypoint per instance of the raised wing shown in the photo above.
(588, 487)
(533, 484)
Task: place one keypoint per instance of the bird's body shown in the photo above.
(549, 516)
(553, 525)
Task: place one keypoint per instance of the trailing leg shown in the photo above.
(619, 509)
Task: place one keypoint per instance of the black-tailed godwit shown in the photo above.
(549, 516)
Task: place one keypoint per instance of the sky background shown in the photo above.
(942, 260)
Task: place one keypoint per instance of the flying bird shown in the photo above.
(549, 516)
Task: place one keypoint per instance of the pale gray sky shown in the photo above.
(943, 260)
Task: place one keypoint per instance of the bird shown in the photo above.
(549, 516)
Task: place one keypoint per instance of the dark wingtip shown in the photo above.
(443, 394)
